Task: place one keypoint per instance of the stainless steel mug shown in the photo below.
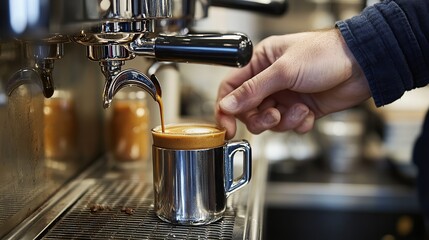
(191, 187)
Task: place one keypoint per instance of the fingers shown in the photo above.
(292, 117)
(298, 118)
(237, 77)
(244, 93)
(258, 122)
(227, 122)
(307, 124)
(252, 92)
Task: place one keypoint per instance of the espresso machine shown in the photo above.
(61, 64)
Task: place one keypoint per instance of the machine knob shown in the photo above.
(233, 50)
(272, 7)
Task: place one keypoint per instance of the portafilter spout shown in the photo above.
(112, 57)
(130, 78)
(41, 55)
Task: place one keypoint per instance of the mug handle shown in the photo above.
(231, 148)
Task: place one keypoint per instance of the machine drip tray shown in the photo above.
(120, 209)
(102, 203)
(124, 210)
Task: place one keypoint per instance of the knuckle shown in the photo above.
(253, 128)
(249, 88)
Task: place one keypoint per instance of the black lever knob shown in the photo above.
(233, 50)
(272, 7)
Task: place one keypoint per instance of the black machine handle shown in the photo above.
(273, 7)
(233, 50)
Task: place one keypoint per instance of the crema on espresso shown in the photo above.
(188, 136)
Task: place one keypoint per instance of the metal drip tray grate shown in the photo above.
(19, 200)
(124, 210)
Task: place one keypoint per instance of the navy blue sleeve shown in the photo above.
(390, 41)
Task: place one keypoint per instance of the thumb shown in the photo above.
(252, 92)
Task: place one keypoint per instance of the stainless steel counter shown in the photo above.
(94, 206)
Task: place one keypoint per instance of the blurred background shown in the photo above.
(352, 176)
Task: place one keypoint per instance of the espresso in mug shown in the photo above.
(193, 172)
(188, 136)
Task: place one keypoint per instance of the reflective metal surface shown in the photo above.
(114, 31)
(41, 56)
(29, 172)
(45, 144)
(39, 18)
(134, 78)
(191, 186)
(94, 206)
(125, 210)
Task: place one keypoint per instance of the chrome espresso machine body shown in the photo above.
(51, 112)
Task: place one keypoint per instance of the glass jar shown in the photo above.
(128, 130)
(60, 127)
